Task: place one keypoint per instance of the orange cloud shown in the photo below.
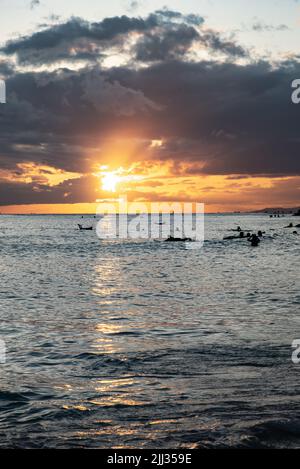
(31, 172)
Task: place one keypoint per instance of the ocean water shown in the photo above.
(139, 344)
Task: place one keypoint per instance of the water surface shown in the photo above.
(142, 344)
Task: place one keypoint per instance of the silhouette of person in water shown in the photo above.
(172, 239)
(254, 240)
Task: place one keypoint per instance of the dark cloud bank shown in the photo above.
(227, 116)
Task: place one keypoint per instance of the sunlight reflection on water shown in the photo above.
(130, 344)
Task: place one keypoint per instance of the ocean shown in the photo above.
(143, 344)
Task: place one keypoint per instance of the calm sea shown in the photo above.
(146, 344)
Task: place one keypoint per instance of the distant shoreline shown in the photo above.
(267, 211)
(260, 212)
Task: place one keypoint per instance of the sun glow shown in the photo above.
(118, 180)
(110, 181)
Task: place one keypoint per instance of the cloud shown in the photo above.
(213, 117)
(231, 118)
(6, 68)
(114, 98)
(170, 44)
(58, 41)
(34, 4)
(163, 35)
(175, 34)
(81, 190)
(134, 5)
(259, 27)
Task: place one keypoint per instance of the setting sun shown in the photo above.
(110, 181)
(120, 179)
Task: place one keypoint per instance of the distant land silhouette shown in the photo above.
(290, 210)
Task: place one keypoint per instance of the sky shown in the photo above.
(155, 101)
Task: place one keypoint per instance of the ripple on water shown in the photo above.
(143, 344)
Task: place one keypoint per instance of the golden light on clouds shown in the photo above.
(158, 181)
(153, 181)
(156, 143)
(30, 172)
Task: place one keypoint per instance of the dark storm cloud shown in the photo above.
(229, 118)
(77, 28)
(168, 45)
(163, 35)
(176, 35)
(6, 68)
(213, 117)
(81, 190)
(52, 118)
(61, 41)
(216, 43)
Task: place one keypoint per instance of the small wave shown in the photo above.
(13, 399)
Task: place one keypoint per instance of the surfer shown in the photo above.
(254, 240)
(172, 239)
(81, 228)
